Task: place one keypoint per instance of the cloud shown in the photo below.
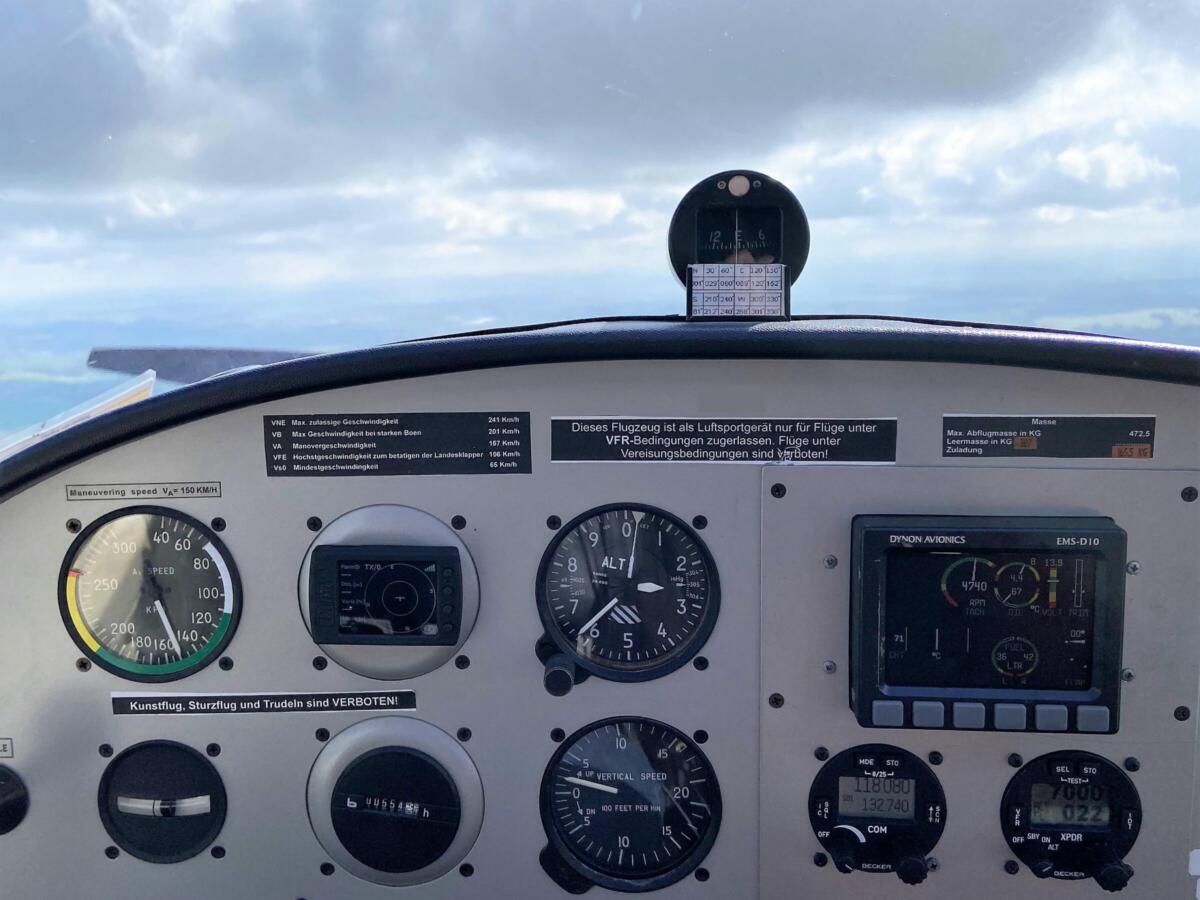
(1152, 319)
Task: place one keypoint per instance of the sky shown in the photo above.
(322, 175)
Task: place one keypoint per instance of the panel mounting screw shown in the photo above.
(775, 700)
(83, 665)
(820, 860)
(106, 750)
(700, 663)
(700, 522)
(1182, 713)
(74, 526)
(829, 667)
(319, 663)
(702, 874)
(830, 561)
(1012, 867)
(936, 758)
(1132, 764)
(466, 870)
(1014, 760)
(458, 523)
(218, 524)
(554, 523)
(1127, 675)
(314, 523)
(464, 734)
(321, 734)
(1189, 494)
(821, 753)
(213, 749)
(932, 864)
(778, 490)
(327, 868)
(225, 663)
(1133, 567)
(112, 852)
(462, 662)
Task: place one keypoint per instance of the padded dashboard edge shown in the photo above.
(591, 340)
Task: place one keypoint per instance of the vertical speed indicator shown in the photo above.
(149, 594)
(628, 591)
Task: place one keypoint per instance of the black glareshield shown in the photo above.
(1006, 623)
(391, 595)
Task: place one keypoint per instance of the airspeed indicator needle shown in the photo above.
(162, 614)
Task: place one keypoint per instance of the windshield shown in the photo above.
(305, 177)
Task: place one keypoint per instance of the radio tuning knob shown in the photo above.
(1113, 875)
(1043, 868)
(843, 848)
(912, 869)
(14, 800)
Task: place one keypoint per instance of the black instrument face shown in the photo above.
(629, 591)
(1071, 815)
(739, 217)
(392, 595)
(876, 808)
(149, 594)
(630, 804)
(395, 809)
(161, 801)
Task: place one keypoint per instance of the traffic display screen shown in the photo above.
(988, 619)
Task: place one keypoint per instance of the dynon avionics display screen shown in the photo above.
(983, 617)
(1007, 623)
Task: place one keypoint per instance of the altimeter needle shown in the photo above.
(600, 615)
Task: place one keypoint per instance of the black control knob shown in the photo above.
(843, 849)
(1043, 868)
(1113, 875)
(14, 800)
(912, 869)
(560, 675)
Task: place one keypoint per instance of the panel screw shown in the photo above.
(112, 852)
(74, 526)
(821, 753)
(932, 864)
(1132, 764)
(1014, 760)
(830, 561)
(700, 736)
(458, 523)
(464, 734)
(557, 735)
(775, 700)
(106, 750)
(225, 663)
(1127, 675)
(314, 524)
(218, 852)
(1133, 567)
(213, 749)
(778, 490)
(218, 524)
(322, 734)
(700, 663)
(702, 875)
(554, 523)
(1012, 867)
(935, 758)
(462, 662)
(83, 665)
(700, 522)
(466, 870)
(1182, 713)
(326, 868)
(829, 667)
(1189, 494)
(319, 663)
(820, 860)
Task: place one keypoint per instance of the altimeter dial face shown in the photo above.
(629, 591)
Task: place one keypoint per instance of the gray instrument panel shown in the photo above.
(784, 612)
